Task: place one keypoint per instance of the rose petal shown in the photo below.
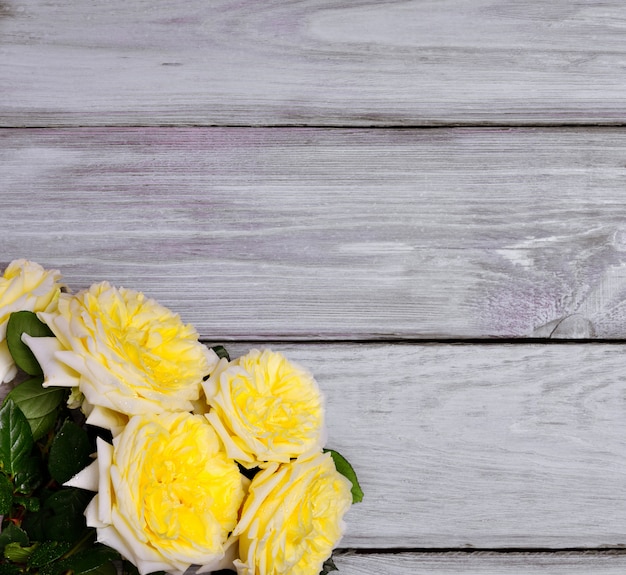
(87, 479)
(8, 370)
(107, 419)
(45, 350)
(105, 459)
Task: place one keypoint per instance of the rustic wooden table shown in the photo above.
(423, 201)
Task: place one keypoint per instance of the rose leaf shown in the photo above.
(62, 514)
(28, 476)
(48, 552)
(16, 439)
(25, 322)
(6, 494)
(12, 534)
(69, 452)
(18, 554)
(221, 352)
(92, 560)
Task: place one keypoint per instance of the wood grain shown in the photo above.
(333, 234)
(314, 62)
(589, 563)
(483, 446)
(478, 446)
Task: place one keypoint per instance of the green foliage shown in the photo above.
(6, 494)
(93, 560)
(28, 477)
(12, 534)
(43, 525)
(221, 352)
(40, 405)
(16, 440)
(344, 467)
(60, 517)
(17, 553)
(47, 552)
(69, 453)
(25, 322)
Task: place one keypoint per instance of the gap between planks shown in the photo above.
(461, 562)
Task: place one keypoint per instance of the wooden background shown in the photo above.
(423, 201)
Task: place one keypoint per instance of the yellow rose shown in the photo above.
(168, 495)
(292, 518)
(265, 408)
(24, 286)
(127, 354)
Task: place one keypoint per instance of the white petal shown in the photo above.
(145, 557)
(212, 358)
(111, 537)
(8, 370)
(105, 459)
(91, 514)
(86, 479)
(211, 385)
(56, 372)
(107, 419)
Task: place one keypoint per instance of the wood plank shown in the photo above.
(315, 62)
(484, 446)
(474, 446)
(562, 563)
(333, 234)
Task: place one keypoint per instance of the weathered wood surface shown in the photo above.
(329, 234)
(590, 563)
(333, 234)
(315, 62)
(470, 446)
(486, 446)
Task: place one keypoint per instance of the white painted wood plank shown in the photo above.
(484, 446)
(352, 62)
(331, 234)
(478, 446)
(589, 563)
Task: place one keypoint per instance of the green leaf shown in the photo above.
(18, 554)
(38, 404)
(16, 439)
(6, 494)
(221, 352)
(9, 569)
(107, 569)
(28, 478)
(35, 400)
(42, 425)
(28, 503)
(89, 560)
(34, 524)
(70, 452)
(12, 534)
(25, 322)
(62, 514)
(344, 467)
(48, 552)
(329, 566)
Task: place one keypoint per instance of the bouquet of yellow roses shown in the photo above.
(195, 460)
